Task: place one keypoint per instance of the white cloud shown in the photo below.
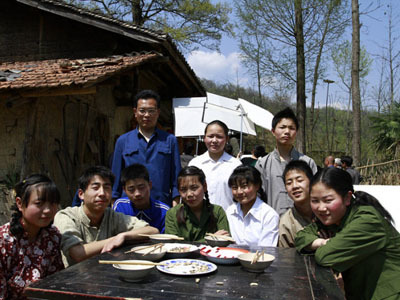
(218, 67)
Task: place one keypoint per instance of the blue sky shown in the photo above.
(225, 66)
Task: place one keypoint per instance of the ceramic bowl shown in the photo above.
(260, 265)
(142, 252)
(178, 250)
(162, 238)
(133, 273)
(217, 242)
(223, 255)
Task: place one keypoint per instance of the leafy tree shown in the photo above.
(283, 39)
(342, 63)
(188, 22)
(387, 132)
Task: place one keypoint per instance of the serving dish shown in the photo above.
(186, 267)
(263, 262)
(222, 255)
(162, 238)
(217, 241)
(152, 253)
(178, 250)
(133, 273)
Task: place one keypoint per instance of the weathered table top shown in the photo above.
(290, 276)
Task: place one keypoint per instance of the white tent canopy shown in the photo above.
(193, 114)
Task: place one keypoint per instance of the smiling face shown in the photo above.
(285, 132)
(37, 213)
(298, 186)
(138, 191)
(192, 191)
(245, 192)
(215, 140)
(97, 195)
(147, 113)
(328, 205)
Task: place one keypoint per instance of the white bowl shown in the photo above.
(263, 262)
(217, 242)
(141, 252)
(173, 252)
(133, 273)
(162, 238)
(223, 255)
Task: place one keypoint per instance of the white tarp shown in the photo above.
(387, 196)
(193, 114)
(258, 115)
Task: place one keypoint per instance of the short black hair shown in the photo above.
(347, 160)
(135, 171)
(259, 151)
(146, 94)
(298, 165)
(248, 173)
(90, 172)
(219, 123)
(286, 113)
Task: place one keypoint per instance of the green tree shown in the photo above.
(283, 39)
(387, 132)
(188, 22)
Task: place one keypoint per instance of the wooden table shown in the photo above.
(290, 276)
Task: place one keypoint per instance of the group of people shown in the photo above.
(282, 200)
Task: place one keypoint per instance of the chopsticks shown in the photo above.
(257, 256)
(168, 236)
(126, 262)
(145, 247)
(222, 237)
(156, 246)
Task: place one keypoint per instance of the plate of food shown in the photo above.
(222, 255)
(178, 250)
(186, 267)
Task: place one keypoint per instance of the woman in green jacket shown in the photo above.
(196, 216)
(354, 235)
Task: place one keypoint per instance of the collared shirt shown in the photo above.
(259, 227)
(194, 230)
(364, 247)
(217, 175)
(160, 156)
(154, 215)
(75, 228)
(271, 168)
(23, 262)
(290, 223)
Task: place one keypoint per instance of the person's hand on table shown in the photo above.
(114, 242)
(318, 243)
(222, 232)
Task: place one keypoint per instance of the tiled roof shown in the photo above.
(65, 72)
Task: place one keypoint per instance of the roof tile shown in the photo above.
(65, 72)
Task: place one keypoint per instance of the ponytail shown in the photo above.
(212, 224)
(363, 198)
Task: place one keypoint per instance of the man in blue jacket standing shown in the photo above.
(156, 149)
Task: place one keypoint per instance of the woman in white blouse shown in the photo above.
(251, 221)
(217, 164)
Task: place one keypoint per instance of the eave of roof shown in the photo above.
(107, 23)
(63, 73)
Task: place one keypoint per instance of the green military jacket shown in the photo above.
(193, 230)
(365, 248)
